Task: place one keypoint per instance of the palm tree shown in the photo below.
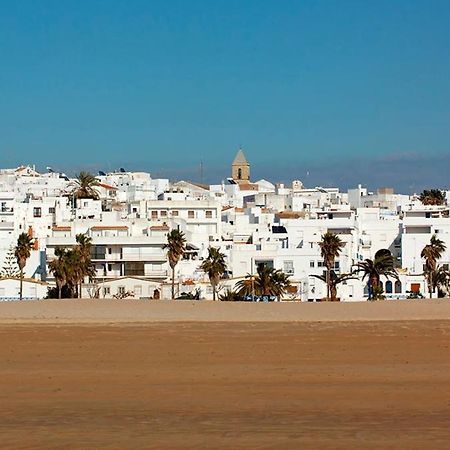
(215, 266)
(83, 254)
(230, 296)
(330, 247)
(59, 267)
(245, 287)
(381, 265)
(279, 283)
(267, 281)
(335, 280)
(22, 252)
(176, 246)
(431, 253)
(432, 197)
(85, 186)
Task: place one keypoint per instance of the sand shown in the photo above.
(132, 311)
(160, 382)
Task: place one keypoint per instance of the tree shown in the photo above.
(245, 287)
(83, 253)
(442, 281)
(10, 268)
(381, 265)
(176, 246)
(335, 280)
(267, 281)
(215, 266)
(71, 266)
(431, 253)
(330, 247)
(230, 296)
(85, 186)
(22, 252)
(432, 197)
(60, 268)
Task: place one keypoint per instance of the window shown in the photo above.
(51, 210)
(109, 267)
(311, 264)
(37, 212)
(209, 214)
(311, 244)
(388, 287)
(109, 251)
(106, 291)
(154, 214)
(121, 290)
(175, 213)
(163, 213)
(191, 214)
(398, 287)
(288, 267)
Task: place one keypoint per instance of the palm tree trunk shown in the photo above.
(59, 291)
(21, 285)
(328, 284)
(214, 292)
(173, 283)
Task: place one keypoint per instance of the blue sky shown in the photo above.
(347, 91)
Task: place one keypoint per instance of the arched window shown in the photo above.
(388, 287)
(398, 287)
(239, 174)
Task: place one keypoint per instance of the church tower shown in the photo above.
(240, 169)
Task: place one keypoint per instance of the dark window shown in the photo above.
(134, 268)
(37, 212)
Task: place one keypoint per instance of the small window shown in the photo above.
(106, 291)
(154, 214)
(109, 251)
(37, 212)
(109, 267)
(311, 264)
(191, 214)
(311, 244)
(121, 290)
(175, 213)
(51, 210)
(288, 267)
(163, 213)
(209, 214)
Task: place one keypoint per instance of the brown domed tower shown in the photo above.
(240, 169)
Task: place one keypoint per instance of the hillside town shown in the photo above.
(125, 220)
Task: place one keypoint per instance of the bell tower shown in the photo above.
(240, 168)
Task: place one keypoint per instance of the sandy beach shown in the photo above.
(137, 311)
(85, 374)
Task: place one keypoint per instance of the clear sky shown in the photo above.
(330, 92)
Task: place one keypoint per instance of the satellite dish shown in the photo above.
(122, 170)
(101, 173)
